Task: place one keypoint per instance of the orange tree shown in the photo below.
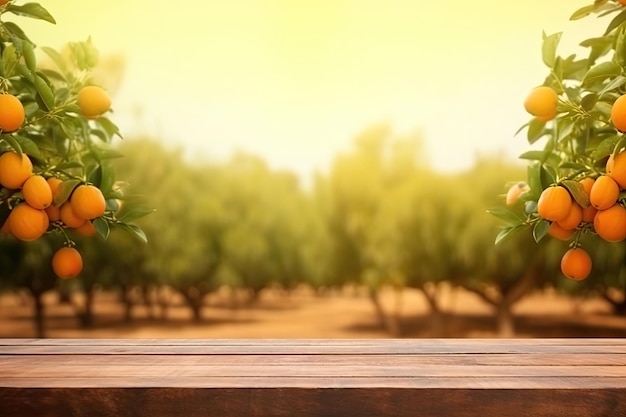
(576, 178)
(55, 144)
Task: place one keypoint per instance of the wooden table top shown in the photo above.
(394, 363)
(313, 378)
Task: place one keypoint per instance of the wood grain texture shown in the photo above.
(399, 377)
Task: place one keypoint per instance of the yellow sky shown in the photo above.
(295, 80)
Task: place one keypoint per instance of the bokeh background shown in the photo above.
(319, 169)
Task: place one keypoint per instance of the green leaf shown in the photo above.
(587, 103)
(109, 127)
(506, 233)
(577, 191)
(605, 148)
(10, 139)
(32, 10)
(542, 156)
(64, 191)
(505, 214)
(135, 213)
(534, 179)
(614, 84)
(17, 34)
(28, 145)
(29, 56)
(9, 59)
(548, 48)
(583, 12)
(540, 230)
(617, 20)
(133, 230)
(95, 176)
(45, 92)
(601, 72)
(102, 227)
(547, 176)
(535, 130)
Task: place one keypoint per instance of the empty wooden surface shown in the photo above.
(398, 377)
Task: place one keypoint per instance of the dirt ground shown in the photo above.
(304, 314)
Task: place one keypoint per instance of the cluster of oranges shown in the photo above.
(33, 198)
(600, 211)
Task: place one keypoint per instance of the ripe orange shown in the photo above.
(618, 113)
(622, 2)
(88, 202)
(27, 223)
(54, 213)
(590, 211)
(11, 113)
(14, 171)
(36, 192)
(547, 117)
(514, 192)
(3, 2)
(610, 224)
(542, 102)
(69, 217)
(87, 229)
(573, 219)
(558, 232)
(616, 168)
(93, 101)
(604, 192)
(54, 184)
(554, 203)
(576, 264)
(67, 263)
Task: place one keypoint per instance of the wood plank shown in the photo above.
(462, 343)
(550, 359)
(416, 347)
(320, 370)
(309, 402)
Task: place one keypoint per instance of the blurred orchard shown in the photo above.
(380, 218)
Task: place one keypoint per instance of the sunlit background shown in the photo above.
(295, 81)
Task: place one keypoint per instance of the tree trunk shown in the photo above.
(39, 314)
(437, 327)
(86, 315)
(504, 318)
(390, 324)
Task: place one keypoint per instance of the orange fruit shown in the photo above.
(616, 168)
(93, 101)
(622, 2)
(54, 184)
(5, 226)
(69, 217)
(573, 219)
(14, 170)
(67, 263)
(515, 191)
(558, 232)
(554, 203)
(88, 202)
(36, 192)
(11, 113)
(618, 113)
(547, 117)
(87, 229)
(27, 223)
(610, 224)
(604, 192)
(54, 213)
(542, 102)
(576, 264)
(3, 2)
